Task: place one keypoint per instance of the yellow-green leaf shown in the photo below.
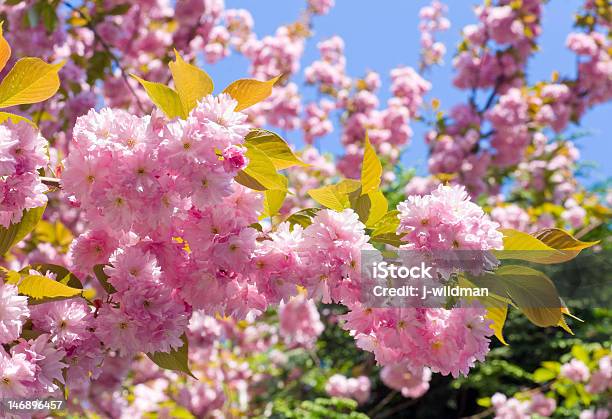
(191, 82)
(31, 80)
(5, 49)
(175, 360)
(15, 119)
(531, 290)
(273, 201)
(17, 232)
(378, 207)
(523, 246)
(303, 217)
(262, 170)
(387, 224)
(163, 97)
(273, 146)
(371, 169)
(39, 287)
(248, 92)
(497, 314)
(562, 240)
(335, 197)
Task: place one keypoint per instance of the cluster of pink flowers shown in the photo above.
(300, 323)
(446, 219)
(31, 368)
(432, 21)
(511, 408)
(22, 154)
(320, 7)
(14, 310)
(446, 341)
(349, 387)
(575, 370)
(402, 377)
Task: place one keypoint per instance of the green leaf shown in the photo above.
(17, 232)
(103, 279)
(191, 83)
(273, 146)
(371, 169)
(163, 97)
(262, 170)
(542, 375)
(40, 287)
(15, 119)
(303, 217)
(531, 290)
(389, 223)
(562, 240)
(248, 92)
(497, 312)
(31, 80)
(175, 360)
(335, 197)
(392, 239)
(579, 352)
(273, 201)
(547, 246)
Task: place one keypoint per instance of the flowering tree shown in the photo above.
(146, 219)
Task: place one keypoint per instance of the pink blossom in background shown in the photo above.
(410, 382)
(357, 388)
(300, 323)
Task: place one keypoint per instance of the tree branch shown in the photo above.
(108, 49)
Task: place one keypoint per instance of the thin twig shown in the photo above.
(51, 181)
(108, 49)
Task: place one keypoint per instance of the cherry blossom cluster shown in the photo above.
(511, 408)
(432, 20)
(591, 377)
(357, 388)
(446, 341)
(412, 383)
(23, 151)
(357, 104)
(300, 323)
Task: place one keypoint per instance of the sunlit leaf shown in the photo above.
(497, 314)
(191, 82)
(371, 169)
(5, 49)
(62, 274)
(273, 201)
(248, 92)
(335, 197)
(163, 97)
(273, 146)
(15, 119)
(547, 246)
(31, 80)
(261, 172)
(41, 287)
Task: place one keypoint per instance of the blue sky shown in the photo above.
(380, 35)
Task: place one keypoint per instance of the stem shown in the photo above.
(108, 50)
(51, 181)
